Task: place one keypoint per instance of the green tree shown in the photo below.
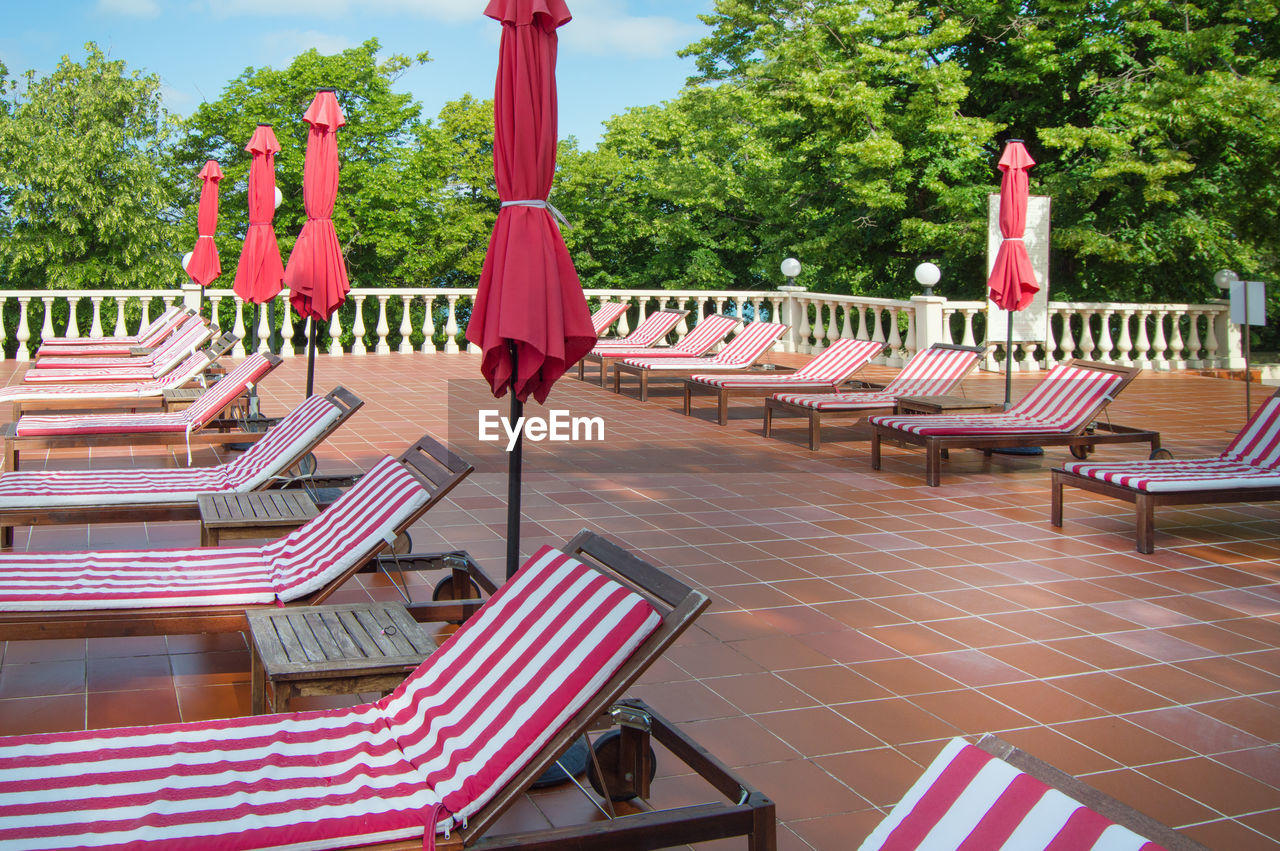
(84, 199)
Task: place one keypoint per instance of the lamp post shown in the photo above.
(928, 275)
(790, 307)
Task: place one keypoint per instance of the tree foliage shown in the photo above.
(84, 197)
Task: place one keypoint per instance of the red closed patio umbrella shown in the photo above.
(530, 317)
(260, 274)
(204, 266)
(317, 273)
(1012, 283)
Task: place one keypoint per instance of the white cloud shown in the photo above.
(131, 8)
(606, 28)
(438, 10)
(283, 45)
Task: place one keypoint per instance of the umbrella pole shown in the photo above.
(1008, 360)
(254, 405)
(311, 355)
(515, 465)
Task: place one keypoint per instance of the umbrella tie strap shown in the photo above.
(1013, 239)
(545, 205)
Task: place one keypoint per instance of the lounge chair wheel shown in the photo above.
(1160, 455)
(403, 544)
(446, 589)
(307, 466)
(617, 778)
(1081, 452)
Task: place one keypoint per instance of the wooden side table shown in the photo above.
(258, 514)
(943, 405)
(344, 649)
(177, 398)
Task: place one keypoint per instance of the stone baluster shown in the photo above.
(1160, 345)
(262, 334)
(1029, 361)
(877, 330)
(1142, 346)
(968, 339)
(451, 326)
(24, 329)
(775, 312)
(73, 321)
(623, 329)
(1066, 341)
(863, 334)
(846, 327)
(720, 300)
(1124, 347)
(238, 328)
(702, 306)
(819, 330)
(757, 308)
(121, 329)
(909, 343)
(1212, 356)
(802, 341)
(1177, 349)
(358, 329)
(335, 335)
(382, 328)
(1086, 334)
(894, 357)
(833, 327)
(215, 313)
(406, 327)
(286, 334)
(947, 337)
(1106, 345)
(1193, 345)
(429, 325)
(46, 331)
(95, 328)
(682, 326)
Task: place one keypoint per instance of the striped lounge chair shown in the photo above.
(1248, 470)
(193, 334)
(739, 355)
(1059, 411)
(44, 497)
(934, 372)
(994, 796)
(607, 314)
(149, 337)
(649, 333)
(447, 752)
(833, 366)
(197, 424)
(179, 591)
(131, 395)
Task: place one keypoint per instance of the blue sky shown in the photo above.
(613, 55)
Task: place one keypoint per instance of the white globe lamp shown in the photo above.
(791, 268)
(927, 275)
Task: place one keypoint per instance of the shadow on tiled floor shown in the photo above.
(859, 618)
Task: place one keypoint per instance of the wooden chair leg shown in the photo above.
(933, 464)
(644, 386)
(1055, 500)
(688, 399)
(1146, 523)
(723, 408)
(875, 448)
(768, 420)
(815, 431)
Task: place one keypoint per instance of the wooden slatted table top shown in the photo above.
(304, 642)
(258, 508)
(942, 404)
(181, 396)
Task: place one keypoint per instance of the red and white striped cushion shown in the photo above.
(190, 369)
(163, 325)
(840, 401)
(743, 350)
(1252, 460)
(933, 372)
(469, 718)
(1062, 403)
(191, 418)
(969, 799)
(696, 343)
(832, 366)
(313, 555)
(194, 332)
(267, 457)
(606, 315)
(654, 327)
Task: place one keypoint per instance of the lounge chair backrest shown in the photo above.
(709, 331)
(499, 689)
(1069, 396)
(606, 314)
(839, 360)
(194, 365)
(193, 331)
(162, 327)
(654, 327)
(935, 371)
(750, 343)
(211, 402)
(1258, 443)
(368, 516)
(286, 441)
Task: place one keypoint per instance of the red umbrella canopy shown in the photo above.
(259, 275)
(529, 295)
(1012, 283)
(205, 266)
(317, 273)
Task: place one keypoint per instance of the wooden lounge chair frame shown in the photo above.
(724, 394)
(647, 375)
(748, 813)
(1145, 502)
(431, 462)
(775, 407)
(1081, 441)
(343, 399)
(213, 351)
(173, 318)
(607, 361)
(226, 428)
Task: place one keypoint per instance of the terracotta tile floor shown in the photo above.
(859, 618)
